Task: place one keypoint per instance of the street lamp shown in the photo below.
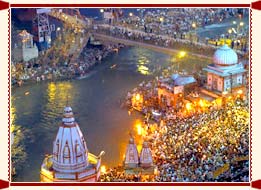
(230, 31)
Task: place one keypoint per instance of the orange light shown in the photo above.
(137, 97)
(240, 91)
(103, 169)
(201, 103)
(139, 129)
(188, 106)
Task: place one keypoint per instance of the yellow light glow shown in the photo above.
(161, 19)
(143, 69)
(188, 106)
(103, 169)
(139, 147)
(139, 129)
(201, 103)
(230, 31)
(240, 91)
(182, 54)
(194, 25)
(241, 23)
(137, 97)
(225, 93)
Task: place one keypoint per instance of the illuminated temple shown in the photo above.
(135, 163)
(70, 161)
(226, 74)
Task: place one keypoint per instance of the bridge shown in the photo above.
(105, 38)
(73, 18)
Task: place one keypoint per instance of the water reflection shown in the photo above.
(17, 137)
(96, 102)
(143, 63)
(59, 95)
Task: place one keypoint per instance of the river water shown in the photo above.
(37, 108)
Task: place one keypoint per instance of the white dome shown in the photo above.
(70, 153)
(225, 56)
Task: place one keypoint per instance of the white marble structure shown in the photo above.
(70, 160)
(132, 155)
(225, 73)
(146, 160)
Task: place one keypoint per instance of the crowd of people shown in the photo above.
(164, 40)
(175, 21)
(175, 28)
(204, 145)
(48, 67)
(117, 174)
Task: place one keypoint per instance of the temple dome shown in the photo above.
(70, 153)
(225, 56)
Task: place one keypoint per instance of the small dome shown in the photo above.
(131, 141)
(225, 56)
(68, 118)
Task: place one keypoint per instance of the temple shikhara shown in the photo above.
(135, 163)
(71, 160)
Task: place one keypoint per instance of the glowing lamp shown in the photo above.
(103, 169)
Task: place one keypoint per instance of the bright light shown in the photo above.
(139, 129)
(101, 10)
(188, 106)
(130, 14)
(182, 54)
(137, 97)
(58, 29)
(230, 31)
(103, 169)
(240, 91)
(234, 22)
(241, 24)
(225, 93)
(161, 19)
(201, 103)
(194, 25)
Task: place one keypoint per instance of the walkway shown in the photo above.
(103, 37)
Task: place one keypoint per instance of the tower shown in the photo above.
(42, 29)
(146, 160)
(131, 156)
(70, 160)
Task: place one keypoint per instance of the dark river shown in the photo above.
(37, 108)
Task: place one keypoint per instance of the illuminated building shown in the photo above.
(24, 49)
(171, 90)
(225, 74)
(71, 160)
(138, 164)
